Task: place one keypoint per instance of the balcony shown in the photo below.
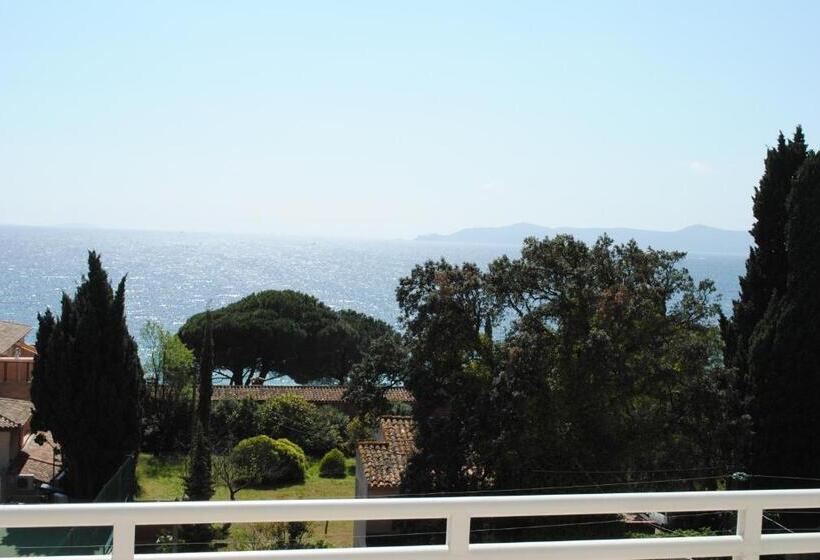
(747, 544)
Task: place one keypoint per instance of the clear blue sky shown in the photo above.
(390, 119)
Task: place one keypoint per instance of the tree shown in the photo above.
(605, 348)
(234, 475)
(87, 382)
(233, 420)
(381, 367)
(767, 264)
(275, 333)
(784, 355)
(198, 480)
(611, 347)
(169, 398)
(445, 310)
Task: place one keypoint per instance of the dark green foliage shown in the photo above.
(315, 429)
(206, 368)
(444, 309)
(382, 366)
(199, 478)
(331, 423)
(198, 482)
(767, 264)
(609, 347)
(784, 354)
(284, 333)
(771, 339)
(333, 465)
(270, 461)
(233, 420)
(87, 382)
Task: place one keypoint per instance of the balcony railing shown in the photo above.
(747, 544)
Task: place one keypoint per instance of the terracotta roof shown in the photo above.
(400, 432)
(37, 460)
(328, 394)
(10, 334)
(14, 413)
(384, 461)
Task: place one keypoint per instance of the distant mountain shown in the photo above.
(692, 239)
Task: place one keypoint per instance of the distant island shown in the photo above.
(692, 239)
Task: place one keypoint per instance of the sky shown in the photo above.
(386, 119)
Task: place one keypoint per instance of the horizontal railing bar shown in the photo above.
(73, 557)
(617, 549)
(438, 552)
(790, 543)
(162, 513)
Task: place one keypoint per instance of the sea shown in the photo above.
(172, 275)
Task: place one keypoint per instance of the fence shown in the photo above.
(748, 544)
(79, 541)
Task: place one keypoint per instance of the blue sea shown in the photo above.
(174, 275)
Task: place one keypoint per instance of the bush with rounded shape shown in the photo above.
(333, 465)
(269, 461)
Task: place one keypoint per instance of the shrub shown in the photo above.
(329, 429)
(274, 536)
(314, 429)
(333, 465)
(269, 461)
(232, 420)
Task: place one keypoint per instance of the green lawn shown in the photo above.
(160, 478)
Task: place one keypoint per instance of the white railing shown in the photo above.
(747, 544)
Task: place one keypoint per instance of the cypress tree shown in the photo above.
(766, 269)
(87, 382)
(199, 482)
(784, 350)
(206, 369)
(767, 262)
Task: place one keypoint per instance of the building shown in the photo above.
(16, 360)
(380, 465)
(320, 395)
(24, 464)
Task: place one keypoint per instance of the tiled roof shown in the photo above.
(14, 413)
(400, 433)
(10, 334)
(327, 394)
(384, 461)
(36, 460)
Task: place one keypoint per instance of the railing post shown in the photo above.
(750, 527)
(458, 535)
(122, 543)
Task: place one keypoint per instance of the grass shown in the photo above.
(160, 478)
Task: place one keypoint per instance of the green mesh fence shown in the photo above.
(61, 541)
